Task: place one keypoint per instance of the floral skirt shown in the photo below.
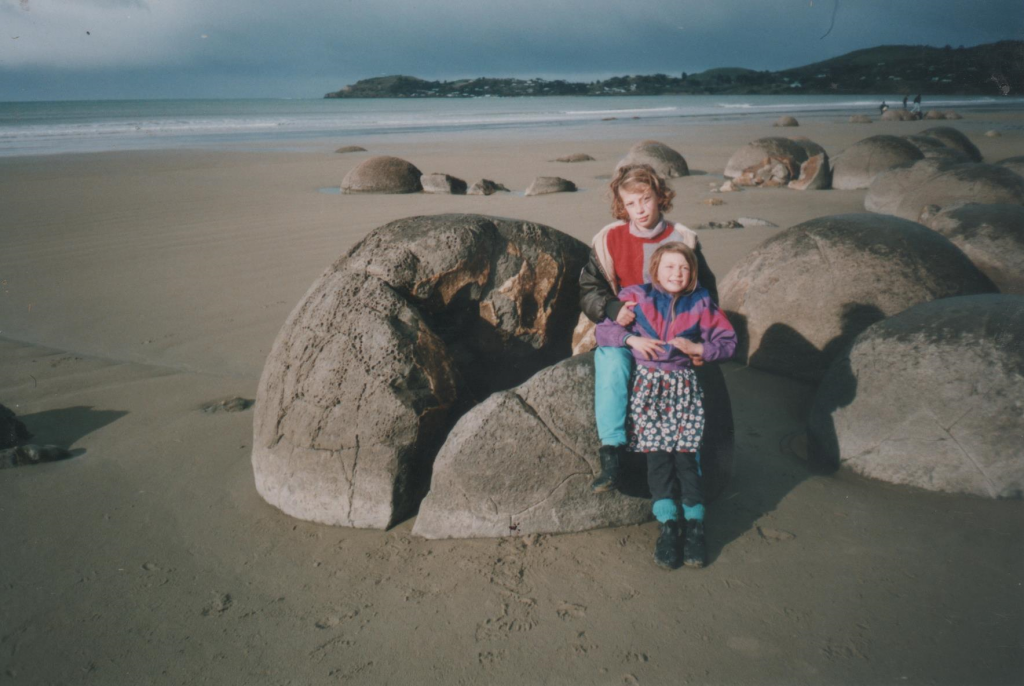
(666, 411)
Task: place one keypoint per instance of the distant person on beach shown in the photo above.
(917, 106)
(882, 108)
(675, 326)
(904, 102)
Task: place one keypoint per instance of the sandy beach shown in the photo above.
(137, 286)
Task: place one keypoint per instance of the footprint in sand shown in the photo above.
(774, 535)
(568, 611)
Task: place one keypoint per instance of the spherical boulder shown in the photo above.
(786, 120)
(888, 188)
(420, 320)
(857, 166)
(756, 152)
(663, 159)
(934, 148)
(980, 183)
(382, 174)
(898, 115)
(1014, 164)
(350, 148)
(803, 294)
(525, 458)
(542, 185)
(992, 236)
(955, 139)
(930, 397)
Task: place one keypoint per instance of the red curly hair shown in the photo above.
(636, 177)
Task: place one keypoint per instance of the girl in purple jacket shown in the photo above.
(676, 327)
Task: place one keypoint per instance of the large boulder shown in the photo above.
(980, 183)
(12, 430)
(955, 139)
(420, 320)
(803, 294)
(934, 148)
(756, 152)
(930, 398)
(542, 185)
(888, 188)
(857, 166)
(663, 159)
(382, 174)
(992, 236)
(525, 458)
(1014, 164)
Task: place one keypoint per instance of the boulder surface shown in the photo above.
(416, 323)
(992, 236)
(930, 398)
(542, 185)
(443, 184)
(888, 188)
(663, 159)
(526, 457)
(801, 296)
(382, 174)
(962, 183)
(955, 139)
(857, 166)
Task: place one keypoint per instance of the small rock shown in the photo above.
(235, 404)
(993, 134)
(753, 221)
(150, 567)
(786, 121)
(486, 187)
(543, 185)
(442, 184)
(774, 535)
(729, 187)
(860, 119)
(575, 157)
(713, 201)
(23, 455)
(730, 224)
(350, 148)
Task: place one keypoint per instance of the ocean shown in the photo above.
(40, 128)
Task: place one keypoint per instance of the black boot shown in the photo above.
(694, 550)
(668, 551)
(608, 479)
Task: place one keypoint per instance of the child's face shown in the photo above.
(674, 273)
(641, 205)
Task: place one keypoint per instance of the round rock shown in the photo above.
(525, 458)
(888, 188)
(575, 157)
(663, 159)
(992, 236)
(930, 398)
(860, 119)
(350, 148)
(542, 185)
(898, 115)
(755, 153)
(857, 166)
(955, 139)
(419, 321)
(382, 174)
(962, 183)
(786, 121)
(803, 294)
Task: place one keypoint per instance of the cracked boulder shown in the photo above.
(753, 154)
(663, 159)
(419, 321)
(382, 174)
(992, 236)
(858, 165)
(930, 398)
(801, 296)
(523, 460)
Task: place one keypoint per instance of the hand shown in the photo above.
(648, 347)
(625, 316)
(693, 349)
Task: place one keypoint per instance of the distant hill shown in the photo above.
(990, 69)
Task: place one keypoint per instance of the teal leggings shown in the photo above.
(612, 369)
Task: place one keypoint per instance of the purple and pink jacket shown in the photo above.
(694, 316)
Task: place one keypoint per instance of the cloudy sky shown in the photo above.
(96, 49)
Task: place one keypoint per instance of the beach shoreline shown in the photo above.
(138, 285)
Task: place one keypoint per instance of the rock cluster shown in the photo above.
(418, 321)
(931, 398)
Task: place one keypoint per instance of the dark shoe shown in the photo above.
(608, 479)
(668, 551)
(694, 550)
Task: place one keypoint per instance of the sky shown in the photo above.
(128, 49)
